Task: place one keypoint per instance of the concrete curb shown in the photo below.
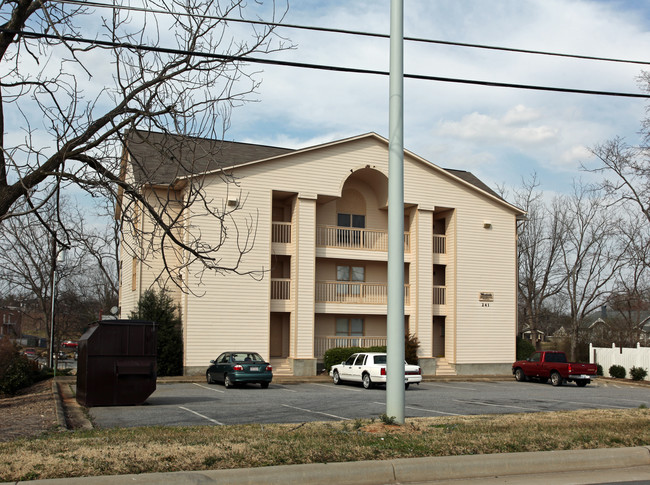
(399, 471)
(58, 404)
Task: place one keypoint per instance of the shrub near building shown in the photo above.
(16, 370)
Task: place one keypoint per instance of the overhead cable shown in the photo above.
(355, 32)
(303, 65)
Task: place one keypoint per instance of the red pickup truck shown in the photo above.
(552, 364)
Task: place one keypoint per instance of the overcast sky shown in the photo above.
(501, 135)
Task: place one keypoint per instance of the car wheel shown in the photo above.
(227, 382)
(582, 382)
(406, 386)
(520, 376)
(556, 379)
(265, 385)
(336, 377)
(367, 382)
(208, 378)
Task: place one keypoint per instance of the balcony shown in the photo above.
(356, 293)
(355, 238)
(281, 232)
(280, 289)
(439, 295)
(439, 244)
(322, 344)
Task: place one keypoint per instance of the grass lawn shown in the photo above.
(163, 449)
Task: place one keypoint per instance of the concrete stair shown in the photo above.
(443, 368)
(281, 367)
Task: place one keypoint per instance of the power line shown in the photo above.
(303, 65)
(357, 33)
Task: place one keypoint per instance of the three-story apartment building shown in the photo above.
(321, 243)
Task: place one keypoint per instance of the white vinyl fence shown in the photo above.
(626, 357)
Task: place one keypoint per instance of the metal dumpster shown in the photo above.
(116, 363)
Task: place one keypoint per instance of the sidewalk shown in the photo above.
(557, 467)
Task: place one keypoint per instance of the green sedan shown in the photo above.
(234, 368)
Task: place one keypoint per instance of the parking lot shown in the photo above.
(188, 404)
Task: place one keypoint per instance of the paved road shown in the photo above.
(203, 404)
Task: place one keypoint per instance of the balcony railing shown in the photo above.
(353, 292)
(354, 238)
(280, 289)
(439, 295)
(439, 244)
(281, 232)
(322, 344)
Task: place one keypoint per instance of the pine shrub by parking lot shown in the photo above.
(638, 373)
(617, 371)
(160, 308)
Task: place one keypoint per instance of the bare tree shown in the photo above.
(539, 247)
(629, 302)
(75, 78)
(591, 255)
(28, 264)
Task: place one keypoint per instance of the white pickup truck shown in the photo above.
(369, 368)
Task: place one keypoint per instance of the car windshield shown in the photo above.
(247, 357)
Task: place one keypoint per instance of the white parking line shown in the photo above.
(597, 406)
(316, 412)
(479, 403)
(448, 386)
(342, 388)
(208, 388)
(202, 416)
(423, 409)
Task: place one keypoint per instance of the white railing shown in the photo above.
(439, 244)
(439, 295)
(354, 238)
(280, 289)
(322, 344)
(281, 232)
(626, 357)
(355, 292)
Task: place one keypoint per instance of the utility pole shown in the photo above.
(395, 389)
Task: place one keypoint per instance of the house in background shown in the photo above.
(321, 239)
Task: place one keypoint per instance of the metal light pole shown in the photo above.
(395, 390)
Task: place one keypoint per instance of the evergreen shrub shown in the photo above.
(638, 373)
(617, 371)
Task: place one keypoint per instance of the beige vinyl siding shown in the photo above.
(228, 311)
(422, 324)
(225, 311)
(306, 272)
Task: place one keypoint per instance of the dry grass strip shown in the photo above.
(163, 449)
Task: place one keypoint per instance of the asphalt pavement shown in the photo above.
(601, 466)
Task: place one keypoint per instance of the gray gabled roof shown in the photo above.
(184, 156)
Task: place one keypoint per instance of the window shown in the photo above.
(349, 274)
(349, 327)
(355, 221)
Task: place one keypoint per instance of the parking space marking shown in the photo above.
(479, 403)
(343, 388)
(316, 412)
(202, 416)
(208, 388)
(597, 406)
(448, 386)
(427, 410)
